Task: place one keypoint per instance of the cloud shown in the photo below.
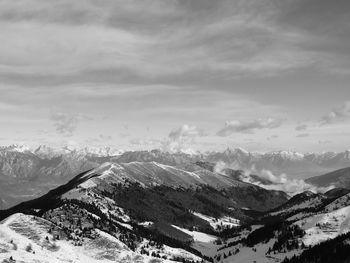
(144, 142)
(272, 137)
(283, 183)
(99, 140)
(324, 142)
(185, 132)
(66, 124)
(105, 137)
(276, 182)
(119, 40)
(249, 126)
(339, 114)
(301, 127)
(180, 140)
(302, 135)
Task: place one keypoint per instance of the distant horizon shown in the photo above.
(32, 148)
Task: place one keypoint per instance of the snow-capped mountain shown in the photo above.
(292, 163)
(142, 210)
(296, 165)
(15, 148)
(45, 151)
(26, 173)
(26, 238)
(150, 174)
(146, 211)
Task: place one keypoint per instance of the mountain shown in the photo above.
(139, 210)
(294, 232)
(28, 173)
(338, 178)
(74, 222)
(146, 211)
(25, 175)
(32, 239)
(294, 164)
(238, 175)
(334, 250)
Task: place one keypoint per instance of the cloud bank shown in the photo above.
(181, 139)
(249, 126)
(271, 181)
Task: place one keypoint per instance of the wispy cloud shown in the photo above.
(324, 142)
(183, 138)
(249, 126)
(65, 123)
(338, 114)
(303, 135)
(301, 127)
(186, 132)
(272, 137)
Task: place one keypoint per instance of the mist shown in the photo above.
(271, 181)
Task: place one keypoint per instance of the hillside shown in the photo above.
(28, 173)
(292, 234)
(169, 206)
(152, 210)
(338, 178)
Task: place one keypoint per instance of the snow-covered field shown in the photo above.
(221, 222)
(198, 236)
(26, 239)
(325, 226)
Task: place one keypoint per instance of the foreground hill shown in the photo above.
(30, 239)
(146, 211)
(338, 178)
(149, 207)
(294, 232)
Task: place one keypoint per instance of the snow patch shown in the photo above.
(197, 236)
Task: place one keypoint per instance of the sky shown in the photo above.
(194, 75)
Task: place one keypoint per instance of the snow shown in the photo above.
(18, 148)
(88, 184)
(225, 221)
(171, 168)
(197, 236)
(167, 251)
(19, 230)
(338, 203)
(146, 223)
(325, 226)
(125, 225)
(247, 254)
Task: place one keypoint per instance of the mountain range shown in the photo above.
(138, 210)
(27, 173)
(147, 211)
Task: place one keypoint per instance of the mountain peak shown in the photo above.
(16, 148)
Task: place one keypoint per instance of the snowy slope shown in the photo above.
(23, 238)
(325, 226)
